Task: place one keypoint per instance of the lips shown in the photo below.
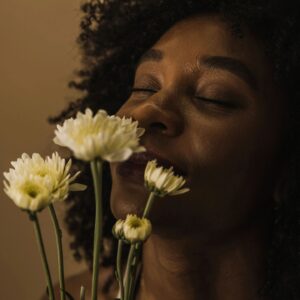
(135, 166)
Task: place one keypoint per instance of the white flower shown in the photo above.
(34, 183)
(136, 229)
(162, 181)
(118, 229)
(100, 136)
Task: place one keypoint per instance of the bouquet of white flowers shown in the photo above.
(35, 183)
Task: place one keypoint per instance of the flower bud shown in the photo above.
(136, 229)
(162, 181)
(118, 229)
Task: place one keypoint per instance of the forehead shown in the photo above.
(205, 35)
(208, 32)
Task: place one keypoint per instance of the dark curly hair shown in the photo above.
(115, 33)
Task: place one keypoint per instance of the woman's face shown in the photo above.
(210, 107)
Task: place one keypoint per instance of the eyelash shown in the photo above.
(133, 90)
(204, 99)
(226, 104)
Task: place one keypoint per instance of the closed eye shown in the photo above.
(227, 104)
(209, 101)
(142, 93)
(143, 90)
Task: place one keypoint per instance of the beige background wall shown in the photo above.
(37, 57)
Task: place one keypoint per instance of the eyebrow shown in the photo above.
(232, 65)
(151, 55)
(226, 63)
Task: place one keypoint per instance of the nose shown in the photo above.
(157, 115)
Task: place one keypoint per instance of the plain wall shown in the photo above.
(38, 55)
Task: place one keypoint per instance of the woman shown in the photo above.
(214, 84)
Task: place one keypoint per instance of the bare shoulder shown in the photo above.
(74, 283)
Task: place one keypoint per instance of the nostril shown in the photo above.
(158, 126)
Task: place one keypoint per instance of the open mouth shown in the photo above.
(135, 166)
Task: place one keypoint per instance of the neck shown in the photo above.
(180, 268)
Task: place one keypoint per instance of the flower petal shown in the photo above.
(162, 181)
(100, 136)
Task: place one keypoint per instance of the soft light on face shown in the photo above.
(209, 106)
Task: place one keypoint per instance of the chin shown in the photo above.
(127, 199)
(128, 194)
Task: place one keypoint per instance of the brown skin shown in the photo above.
(211, 242)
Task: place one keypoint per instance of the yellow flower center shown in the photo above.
(135, 223)
(42, 173)
(31, 190)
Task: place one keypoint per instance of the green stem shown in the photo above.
(96, 168)
(60, 256)
(38, 235)
(131, 274)
(119, 268)
(149, 205)
(135, 265)
(128, 275)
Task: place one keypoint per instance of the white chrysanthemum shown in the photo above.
(100, 136)
(162, 181)
(34, 183)
(136, 229)
(118, 229)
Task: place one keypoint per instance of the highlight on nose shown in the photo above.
(156, 119)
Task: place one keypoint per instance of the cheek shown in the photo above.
(242, 143)
(232, 164)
